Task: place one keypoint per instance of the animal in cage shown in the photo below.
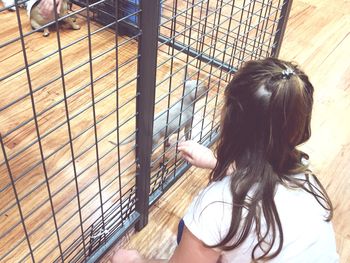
(179, 115)
(37, 20)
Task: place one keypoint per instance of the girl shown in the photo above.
(262, 202)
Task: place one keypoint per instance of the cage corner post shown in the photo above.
(281, 27)
(147, 63)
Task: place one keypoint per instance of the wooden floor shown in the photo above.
(318, 38)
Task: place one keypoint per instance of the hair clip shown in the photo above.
(287, 73)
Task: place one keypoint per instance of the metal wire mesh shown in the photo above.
(206, 41)
(66, 185)
(73, 176)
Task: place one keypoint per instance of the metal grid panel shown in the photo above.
(66, 185)
(205, 40)
(229, 32)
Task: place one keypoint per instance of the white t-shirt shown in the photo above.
(308, 237)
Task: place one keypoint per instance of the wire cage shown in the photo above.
(80, 110)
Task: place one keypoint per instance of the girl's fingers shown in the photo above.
(184, 149)
(186, 156)
(187, 143)
(59, 7)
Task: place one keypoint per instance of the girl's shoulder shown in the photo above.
(218, 191)
(210, 212)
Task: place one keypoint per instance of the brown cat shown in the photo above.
(37, 21)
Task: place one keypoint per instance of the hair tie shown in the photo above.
(287, 73)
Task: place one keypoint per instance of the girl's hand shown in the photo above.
(47, 8)
(198, 155)
(126, 256)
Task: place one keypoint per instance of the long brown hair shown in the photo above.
(267, 113)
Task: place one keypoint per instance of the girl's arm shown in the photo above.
(47, 7)
(200, 156)
(190, 250)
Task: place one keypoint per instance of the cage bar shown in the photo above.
(147, 69)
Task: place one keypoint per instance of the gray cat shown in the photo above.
(164, 129)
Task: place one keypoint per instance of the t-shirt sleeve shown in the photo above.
(209, 216)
